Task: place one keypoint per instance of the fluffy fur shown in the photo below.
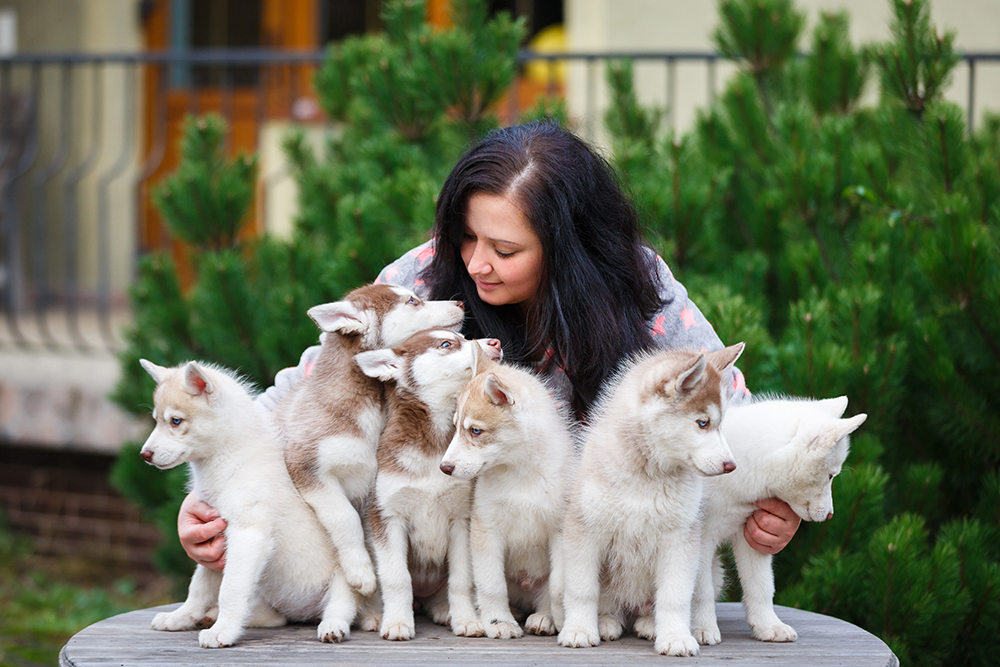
(784, 448)
(514, 440)
(632, 528)
(278, 562)
(332, 419)
(419, 517)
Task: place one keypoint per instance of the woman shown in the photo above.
(535, 235)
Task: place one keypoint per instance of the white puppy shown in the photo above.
(632, 527)
(514, 440)
(785, 448)
(278, 562)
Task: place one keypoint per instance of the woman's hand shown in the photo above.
(200, 529)
(771, 526)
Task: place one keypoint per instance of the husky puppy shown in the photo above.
(786, 448)
(632, 527)
(278, 561)
(331, 419)
(419, 517)
(514, 440)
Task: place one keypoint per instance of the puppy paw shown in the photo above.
(645, 627)
(362, 579)
(216, 637)
(779, 632)
(609, 627)
(370, 622)
(540, 623)
(503, 630)
(398, 632)
(440, 613)
(468, 628)
(174, 622)
(265, 617)
(677, 646)
(578, 638)
(708, 636)
(333, 630)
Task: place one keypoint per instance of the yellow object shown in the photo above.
(549, 40)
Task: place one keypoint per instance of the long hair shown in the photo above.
(599, 286)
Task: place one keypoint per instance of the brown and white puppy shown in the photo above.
(331, 419)
(420, 517)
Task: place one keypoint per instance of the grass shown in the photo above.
(44, 603)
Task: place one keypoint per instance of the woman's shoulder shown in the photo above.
(405, 271)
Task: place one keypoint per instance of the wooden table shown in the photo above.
(127, 640)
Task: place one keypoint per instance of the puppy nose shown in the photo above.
(728, 466)
(494, 343)
(146, 455)
(460, 304)
(447, 468)
(829, 516)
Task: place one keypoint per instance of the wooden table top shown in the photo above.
(128, 640)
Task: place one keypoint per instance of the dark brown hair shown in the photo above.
(599, 286)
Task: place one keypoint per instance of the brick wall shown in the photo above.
(63, 501)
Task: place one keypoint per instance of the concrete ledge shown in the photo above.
(61, 402)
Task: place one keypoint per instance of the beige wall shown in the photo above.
(676, 25)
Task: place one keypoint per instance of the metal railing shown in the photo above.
(83, 137)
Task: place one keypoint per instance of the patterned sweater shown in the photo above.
(679, 324)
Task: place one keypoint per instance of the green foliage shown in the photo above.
(205, 201)
(857, 248)
(916, 64)
(42, 609)
(835, 73)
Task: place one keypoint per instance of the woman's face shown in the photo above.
(501, 251)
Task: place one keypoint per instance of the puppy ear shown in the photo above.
(836, 429)
(692, 376)
(850, 425)
(382, 365)
(196, 382)
(340, 317)
(158, 373)
(834, 407)
(496, 392)
(726, 357)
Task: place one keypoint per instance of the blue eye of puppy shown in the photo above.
(446, 343)
(176, 421)
(702, 423)
(475, 431)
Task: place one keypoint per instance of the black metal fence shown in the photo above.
(82, 138)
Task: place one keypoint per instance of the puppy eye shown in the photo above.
(446, 343)
(702, 423)
(412, 301)
(175, 421)
(475, 431)
(831, 476)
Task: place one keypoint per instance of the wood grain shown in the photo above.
(127, 640)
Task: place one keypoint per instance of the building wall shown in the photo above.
(676, 25)
(94, 26)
